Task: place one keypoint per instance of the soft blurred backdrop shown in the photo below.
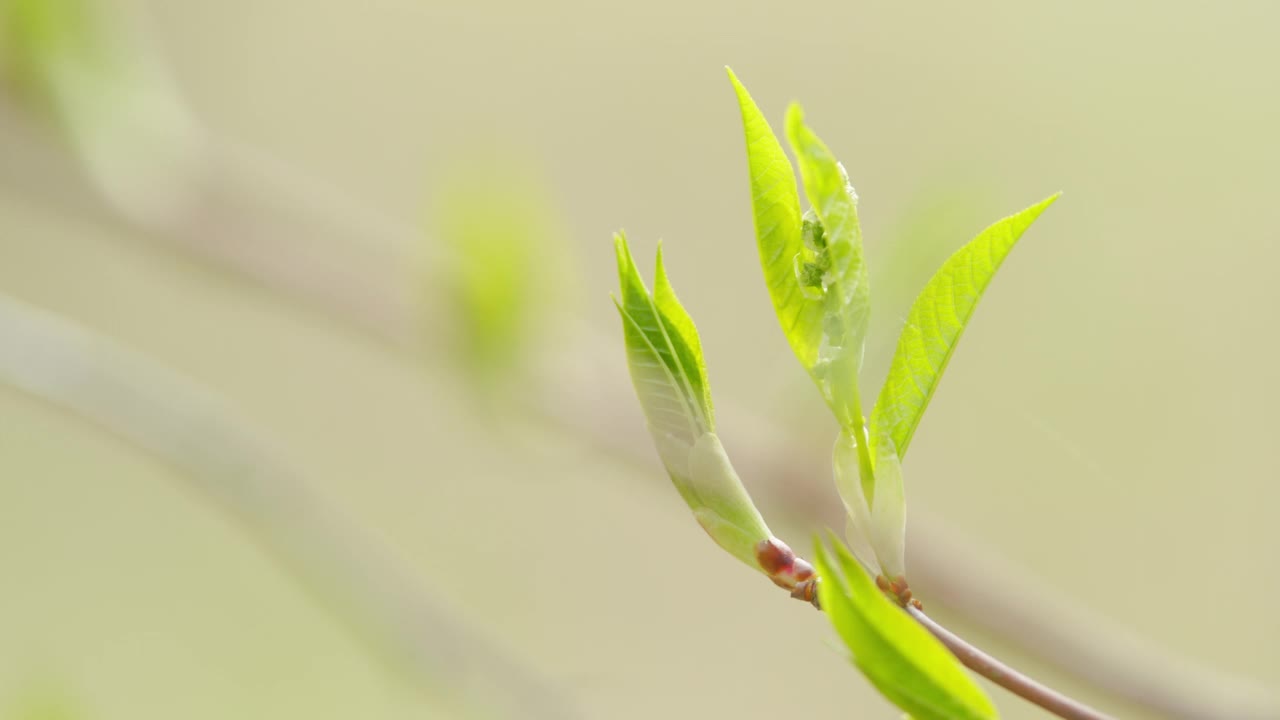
(272, 219)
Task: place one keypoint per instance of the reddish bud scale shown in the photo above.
(897, 590)
(807, 590)
(781, 564)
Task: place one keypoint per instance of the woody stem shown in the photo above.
(1005, 676)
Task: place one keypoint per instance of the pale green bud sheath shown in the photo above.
(724, 509)
(889, 512)
(845, 462)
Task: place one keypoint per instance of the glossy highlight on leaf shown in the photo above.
(900, 658)
(935, 323)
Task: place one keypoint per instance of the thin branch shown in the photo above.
(354, 577)
(263, 221)
(1005, 676)
(1044, 624)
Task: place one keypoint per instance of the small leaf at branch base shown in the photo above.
(935, 324)
(900, 658)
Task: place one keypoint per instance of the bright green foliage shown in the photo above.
(664, 352)
(813, 265)
(832, 270)
(818, 281)
(817, 278)
(935, 323)
(814, 269)
(904, 662)
(670, 378)
(775, 202)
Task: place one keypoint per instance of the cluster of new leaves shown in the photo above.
(818, 282)
(817, 279)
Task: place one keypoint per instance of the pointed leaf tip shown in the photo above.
(795, 115)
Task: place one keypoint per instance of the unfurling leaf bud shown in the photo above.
(664, 355)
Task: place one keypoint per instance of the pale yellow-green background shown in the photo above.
(1108, 423)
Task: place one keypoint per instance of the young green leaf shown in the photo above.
(835, 275)
(815, 273)
(685, 340)
(935, 323)
(664, 354)
(775, 203)
(900, 658)
(812, 265)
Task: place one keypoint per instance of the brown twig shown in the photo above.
(976, 660)
(1005, 676)
(1043, 623)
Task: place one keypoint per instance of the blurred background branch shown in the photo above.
(225, 462)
